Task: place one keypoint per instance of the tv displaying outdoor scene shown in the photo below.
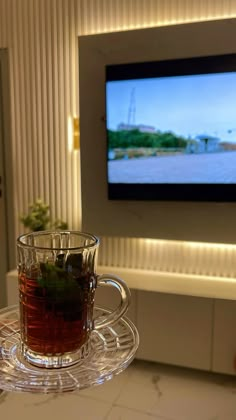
(171, 129)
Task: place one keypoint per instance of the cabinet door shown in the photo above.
(175, 329)
(224, 337)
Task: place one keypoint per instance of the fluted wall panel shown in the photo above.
(108, 15)
(42, 40)
(169, 256)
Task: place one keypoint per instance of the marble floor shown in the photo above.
(145, 391)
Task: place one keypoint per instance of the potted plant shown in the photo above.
(38, 218)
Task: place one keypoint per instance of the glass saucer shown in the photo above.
(113, 349)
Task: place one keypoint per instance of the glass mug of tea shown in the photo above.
(57, 283)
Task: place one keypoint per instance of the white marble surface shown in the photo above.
(145, 391)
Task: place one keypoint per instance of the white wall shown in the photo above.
(41, 37)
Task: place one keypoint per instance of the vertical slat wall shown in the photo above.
(42, 42)
(169, 256)
(41, 36)
(110, 15)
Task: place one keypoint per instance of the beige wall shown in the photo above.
(41, 37)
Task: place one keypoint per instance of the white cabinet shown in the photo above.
(175, 329)
(224, 337)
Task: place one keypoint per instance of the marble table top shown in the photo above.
(145, 391)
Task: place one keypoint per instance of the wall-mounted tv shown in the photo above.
(158, 137)
(171, 129)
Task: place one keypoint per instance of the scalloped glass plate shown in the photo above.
(113, 349)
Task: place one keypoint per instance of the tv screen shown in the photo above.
(171, 129)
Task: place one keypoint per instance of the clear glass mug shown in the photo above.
(57, 283)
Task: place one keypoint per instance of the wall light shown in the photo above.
(76, 134)
(70, 133)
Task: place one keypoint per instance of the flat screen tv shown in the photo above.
(158, 132)
(171, 129)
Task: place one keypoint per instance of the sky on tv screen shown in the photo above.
(194, 107)
(187, 105)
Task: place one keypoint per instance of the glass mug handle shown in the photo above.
(112, 280)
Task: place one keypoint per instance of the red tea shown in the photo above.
(56, 316)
